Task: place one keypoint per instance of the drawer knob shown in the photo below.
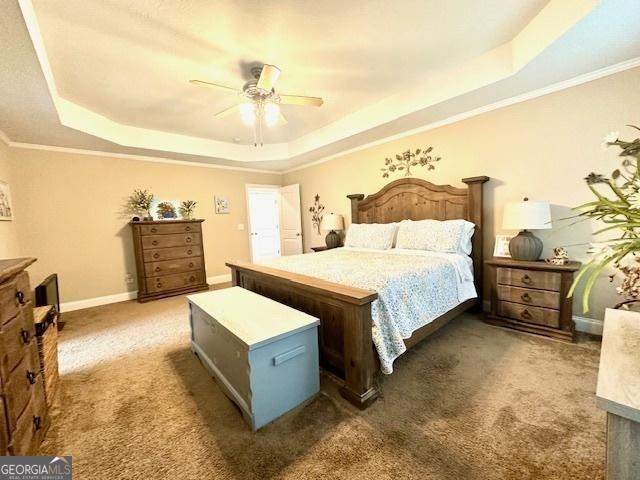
(188, 239)
(525, 297)
(20, 297)
(156, 255)
(188, 229)
(157, 269)
(37, 422)
(526, 279)
(159, 285)
(31, 376)
(155, 242)
(154, 230)
(25, 336)
(190, 264)
(526, 314)
(189, 252)
(192, 278)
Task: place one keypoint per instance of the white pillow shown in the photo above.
(371, 235)
(449, 236)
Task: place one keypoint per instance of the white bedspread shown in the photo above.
(414, 287)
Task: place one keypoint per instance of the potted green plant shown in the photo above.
(186, 209)
(140, 202)
(617, 206)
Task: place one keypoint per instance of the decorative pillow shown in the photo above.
(371, 235)
(450, 236)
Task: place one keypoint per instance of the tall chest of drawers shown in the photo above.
(532, 296)
(23, 411)
(169, 258)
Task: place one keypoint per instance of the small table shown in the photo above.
(531, 296)
(618, 392)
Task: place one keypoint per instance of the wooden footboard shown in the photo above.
(346, 346)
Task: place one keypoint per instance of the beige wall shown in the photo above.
(9, 245)
(541, 148)
(68, 215)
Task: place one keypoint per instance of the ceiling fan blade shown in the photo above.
(268, 77)
(281, 120)
(202, 83)
(228, 111)
(301, 100)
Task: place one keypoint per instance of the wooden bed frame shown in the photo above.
(346, 346)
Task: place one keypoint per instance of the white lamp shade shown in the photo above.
(332, 221)
(526, 216)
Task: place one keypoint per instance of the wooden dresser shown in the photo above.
(169, 258)
(23, 408)
(531, 296)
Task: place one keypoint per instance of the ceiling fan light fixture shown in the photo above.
(248, 113)
(271, 113)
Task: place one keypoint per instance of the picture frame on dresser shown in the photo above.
(169, 258)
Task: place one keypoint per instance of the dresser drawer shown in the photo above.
(13, 294)
(168, 228)
(528, 296)
(168, 267)
(160, 254)
(529, 278)
(173, 282)
(31, 425)
(525, 313)
(20, 385)
(174, 240)
(15, 338)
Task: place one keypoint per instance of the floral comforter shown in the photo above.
(413, 288)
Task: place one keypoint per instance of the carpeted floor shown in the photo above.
(471, 402)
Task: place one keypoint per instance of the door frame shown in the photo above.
(258, 186)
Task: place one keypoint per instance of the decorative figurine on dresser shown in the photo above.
(169, 258)
(23, 409)
(531, 296)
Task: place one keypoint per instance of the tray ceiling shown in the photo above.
(119, 70)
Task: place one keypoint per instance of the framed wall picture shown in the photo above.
(6, 211)
(501, 248)
(222, 204)
(165, 209)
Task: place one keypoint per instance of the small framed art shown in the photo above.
(501, 248)
(6, 212)
(165, 209)
(222, 204)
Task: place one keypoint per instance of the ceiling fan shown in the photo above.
(261, 105)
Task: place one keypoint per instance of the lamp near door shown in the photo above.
(332, 222)
(525, 216)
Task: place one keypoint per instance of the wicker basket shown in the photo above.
(46, 319)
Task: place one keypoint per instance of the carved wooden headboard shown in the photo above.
(416, 199)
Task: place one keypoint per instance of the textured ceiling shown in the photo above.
(130, 61)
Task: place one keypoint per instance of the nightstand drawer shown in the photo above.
(529, 278)
(529, 314)
(529, 296)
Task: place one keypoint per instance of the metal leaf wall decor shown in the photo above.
(317, 213)
(407, 159)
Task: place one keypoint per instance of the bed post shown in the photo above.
(355, 200)
(474, 213)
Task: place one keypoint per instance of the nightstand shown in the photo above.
(320, 249)
(531, 296)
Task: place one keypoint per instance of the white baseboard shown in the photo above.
(96, 301)
(583, 324)
(123, 297)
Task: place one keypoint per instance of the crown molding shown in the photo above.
(556, 87)
(126, 156)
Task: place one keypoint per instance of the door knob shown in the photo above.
(297, 234)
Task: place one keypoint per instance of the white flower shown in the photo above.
(610, 137)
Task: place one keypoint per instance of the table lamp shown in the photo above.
(525, 216)
(332, 222)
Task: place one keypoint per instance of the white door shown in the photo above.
(264, 220)
(290, 220)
